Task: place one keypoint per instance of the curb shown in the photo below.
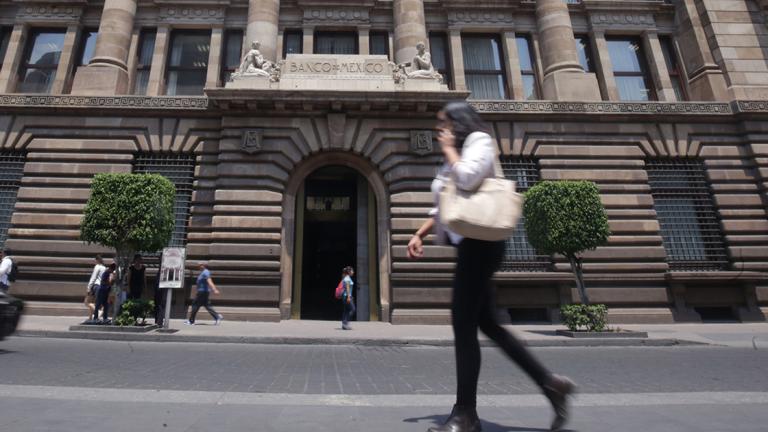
(290, 340)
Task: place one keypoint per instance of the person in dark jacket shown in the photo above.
(137, 278)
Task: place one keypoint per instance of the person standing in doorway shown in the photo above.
(347, 298)
(93, 285)
(102, 295)
(137, 278)
(204, 286)
(471, 157)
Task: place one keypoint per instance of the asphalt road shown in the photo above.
(76, 385)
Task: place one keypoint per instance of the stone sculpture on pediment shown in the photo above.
(420, 67)
(255, 65)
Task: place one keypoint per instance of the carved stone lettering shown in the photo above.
(619, 19)
(336, 16)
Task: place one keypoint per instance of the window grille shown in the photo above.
(519, 255)
(689, 223)
(180, 170)
(11, 171)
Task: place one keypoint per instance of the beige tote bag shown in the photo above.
(489, 213)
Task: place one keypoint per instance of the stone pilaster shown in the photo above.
(514, 74)
(214, 58)
(12, 60)
(363, 40)
(107, 74)
(410, 28)
(563, 77)
(156, 84)
(604, 65)
(308, 40)
(262, 26)
(658, 66)
(66, 61)
(457, 59)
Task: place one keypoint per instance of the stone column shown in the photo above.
(514, 74)
(604, 66)
(706, 81)
(66, 61)
(262, 26)
(658, 66)
(563, 76)
(107, 74)
(410, 28)
(13, 57)
(214, 58)
(156, 84)
(457, 59)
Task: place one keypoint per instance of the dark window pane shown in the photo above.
(584, 52)
(529, 85)
(190, 50)
(147, 46)
(625, 55)
(37, 80)
(632, 88)
(486, 86)
(142, 81)
(335, 43)
(677, 86)
(293, 42)
(524, 52)
(186, 82)
(233, 47)
(45, 48)
(379, 43)
(5, 38)
(438, 48)
(11, 170)
(481, 53)
(88, 43)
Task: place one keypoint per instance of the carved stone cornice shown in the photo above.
(656, 108)
(121, 102)
(191, 14)
(49, 13)
(476, 17)
(622, 20)
(336, 16)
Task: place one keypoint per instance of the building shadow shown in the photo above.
(438, 419)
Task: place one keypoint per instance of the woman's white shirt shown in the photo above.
(98, 270)
(477, 163)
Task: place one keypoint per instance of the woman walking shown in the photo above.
(346, 297)
(470, 157)
(94, 283)
(204, 286)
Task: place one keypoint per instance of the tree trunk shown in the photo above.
(579, 275)
(123, 260)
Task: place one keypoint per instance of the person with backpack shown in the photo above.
(102, 295)
(93, 284)
(346, 297)
(8, 270)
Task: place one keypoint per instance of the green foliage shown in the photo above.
(135, 310)
(578, 317)
(565, 217)
(129, 212)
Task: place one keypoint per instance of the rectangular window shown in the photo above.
(483, 66)
(584, 50)
(519, 255)
(438, 49)
(378, 43)
(233, 51)
(525, 52)
(188, 63)
(336, 43)
(630, 70)
(180, 170)
(41, 59)
(87, 45)
(673, 67)
(11, 170)
(144, 64)
(685, 209)
(5, 39)
(293, 42)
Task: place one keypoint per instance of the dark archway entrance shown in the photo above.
(330, 234)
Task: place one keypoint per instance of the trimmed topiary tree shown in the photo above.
(566, 218)
(129, 213)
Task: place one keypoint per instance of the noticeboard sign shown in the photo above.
(172, 268)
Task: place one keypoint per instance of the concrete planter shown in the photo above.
(602, 335)
(114, 328)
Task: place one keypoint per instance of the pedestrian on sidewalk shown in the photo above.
(93, 285)
(204, 286)
(137, 278)
(102, 295)
(6, 267)
(470, 157)
(347, 298)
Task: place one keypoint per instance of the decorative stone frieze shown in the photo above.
(752, 106)
(184, 14)
(622, 20)
(252, 141)
(479, 17)
(331, 16)
(121, 102)
(602, 107)
(49, 13)
(421, 142)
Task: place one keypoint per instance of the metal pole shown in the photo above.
(167, 307)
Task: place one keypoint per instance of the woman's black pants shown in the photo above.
(473, 307)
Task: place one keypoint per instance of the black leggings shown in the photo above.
(473, 308)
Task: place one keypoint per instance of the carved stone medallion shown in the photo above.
(252, 141)
(421, 142)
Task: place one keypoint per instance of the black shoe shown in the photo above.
(462, 419)
(557, 391)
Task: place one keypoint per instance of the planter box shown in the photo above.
(114, 328)
(602, 334)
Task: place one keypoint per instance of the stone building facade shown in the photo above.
(664, 104)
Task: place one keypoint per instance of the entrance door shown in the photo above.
(329, 240)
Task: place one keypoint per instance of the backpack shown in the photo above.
(339, 290)
(13, 273)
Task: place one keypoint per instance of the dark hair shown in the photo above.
(347, 270)
(7, 252)
(99, 258)
(137, 256)
(464, 120)
(112, 266)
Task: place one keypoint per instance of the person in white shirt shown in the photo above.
(470, 155)
(6, 264)
(93, 285)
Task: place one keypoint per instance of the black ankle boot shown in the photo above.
(557, 391)
(462, 419)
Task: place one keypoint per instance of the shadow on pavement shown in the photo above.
(487, 426)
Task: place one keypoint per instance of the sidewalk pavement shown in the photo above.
(299, 332)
